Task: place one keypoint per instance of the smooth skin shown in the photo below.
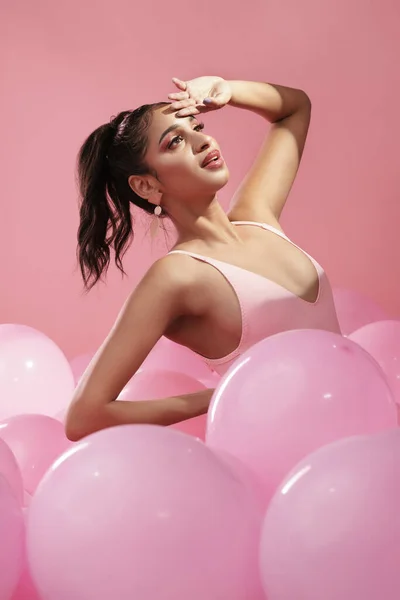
(186, 300)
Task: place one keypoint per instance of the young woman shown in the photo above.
(231, 279)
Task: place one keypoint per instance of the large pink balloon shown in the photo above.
(195, 427)
(354, 310)
(10, 470)
(36, 441)
(382, 341)
(292, 393)
(11, 540)
(332, 531)
(173, 357)
(140, 511)
(34, 374)
(245, 474)
(158, 384)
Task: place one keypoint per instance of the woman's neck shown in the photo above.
(207, 222)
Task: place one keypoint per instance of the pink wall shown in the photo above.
(68, 66)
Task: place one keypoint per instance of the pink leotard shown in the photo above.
(268, 308)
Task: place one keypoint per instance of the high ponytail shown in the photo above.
(106, 160)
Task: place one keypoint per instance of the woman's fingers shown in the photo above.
(185, 112)
(178, 96)
(179, 83)
(182, 104)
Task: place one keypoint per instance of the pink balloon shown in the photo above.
(36, 441)
(246, 475)
(27, 499)
(167, 355)
(382, 341)
(11, 540)
(79, 364)
(333, 530)
(60, 416)
(292, 393)
(34, 374)
(355, 310)
(139, 511)
(195, 427)
(25, 589)
(10, 470)
(157, 384)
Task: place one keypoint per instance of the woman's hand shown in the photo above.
(200, 95)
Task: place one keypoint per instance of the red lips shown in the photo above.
(210, 156)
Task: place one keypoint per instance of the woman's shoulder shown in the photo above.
(171, 270)
(166, 286)
(183, 277)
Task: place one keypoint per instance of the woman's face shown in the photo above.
(177, 147)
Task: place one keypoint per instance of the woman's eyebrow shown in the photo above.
(175, 126)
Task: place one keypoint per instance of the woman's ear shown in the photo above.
(141, 186)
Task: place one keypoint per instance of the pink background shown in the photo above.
(69, 66)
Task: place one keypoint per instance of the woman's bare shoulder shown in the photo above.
(176, 277)
(179, 269)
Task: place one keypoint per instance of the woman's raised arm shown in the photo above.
(264, 191)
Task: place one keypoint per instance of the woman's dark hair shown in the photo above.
(106, 160)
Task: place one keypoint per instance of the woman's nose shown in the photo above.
(204, 143)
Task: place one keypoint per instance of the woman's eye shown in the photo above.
(177, 137)
(198, 127)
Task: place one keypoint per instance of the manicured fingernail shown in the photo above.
(206, 100)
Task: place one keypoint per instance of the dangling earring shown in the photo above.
(155, 221)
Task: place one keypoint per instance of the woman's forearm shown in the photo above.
(273, 102)
(166, 411)
(82, 421)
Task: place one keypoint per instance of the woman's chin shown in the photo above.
(219, 177)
